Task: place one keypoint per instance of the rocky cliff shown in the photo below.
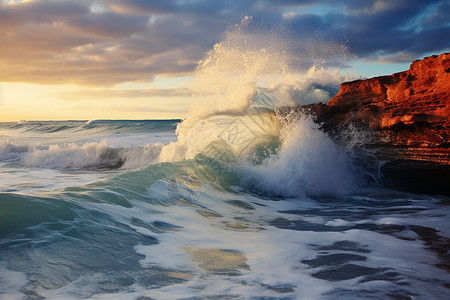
(406, 117)
(410, 108)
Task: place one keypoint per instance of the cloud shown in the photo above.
(16, 14)
(106, 25)
(440, 17)
(394, 30)
(141, 6)
(107, 94)
(107, 42)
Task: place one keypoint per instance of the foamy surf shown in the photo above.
(240, 204)
(307, 162)
(93, 155)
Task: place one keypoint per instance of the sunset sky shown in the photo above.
(133, 59)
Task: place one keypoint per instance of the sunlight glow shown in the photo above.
(20, 101)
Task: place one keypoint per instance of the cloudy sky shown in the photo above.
(133, 59)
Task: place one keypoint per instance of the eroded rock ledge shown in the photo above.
(407, 118)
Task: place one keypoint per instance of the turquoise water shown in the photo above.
(90, 210)
(234, 202)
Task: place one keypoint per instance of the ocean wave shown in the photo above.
(307, 163)
(236, 197)
(10, 150)
(240, 84)
(93, 155)
(91, 127)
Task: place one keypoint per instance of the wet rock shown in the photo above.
(405, 118)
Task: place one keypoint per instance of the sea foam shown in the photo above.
(90, 155)
(238, 86)
(308, 162)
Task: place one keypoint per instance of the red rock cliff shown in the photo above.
(411, 107)
(407, 115)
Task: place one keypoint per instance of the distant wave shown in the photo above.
(93, 155)
(93, 126)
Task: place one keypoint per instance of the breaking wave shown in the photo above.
(238, 86)
(93, 155)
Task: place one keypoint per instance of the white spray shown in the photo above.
(237, 86)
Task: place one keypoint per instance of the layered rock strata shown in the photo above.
(406, 117)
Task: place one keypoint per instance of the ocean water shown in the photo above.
(233, 202)
(89, 212)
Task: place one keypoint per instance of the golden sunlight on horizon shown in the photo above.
(165, 99)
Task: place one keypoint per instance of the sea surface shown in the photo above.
(232, 202)
(88, 210)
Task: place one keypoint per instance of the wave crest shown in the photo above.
(238, 86)
(93, 155)
(308, 162)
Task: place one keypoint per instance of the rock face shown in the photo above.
(410, 108)
(407, 119)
